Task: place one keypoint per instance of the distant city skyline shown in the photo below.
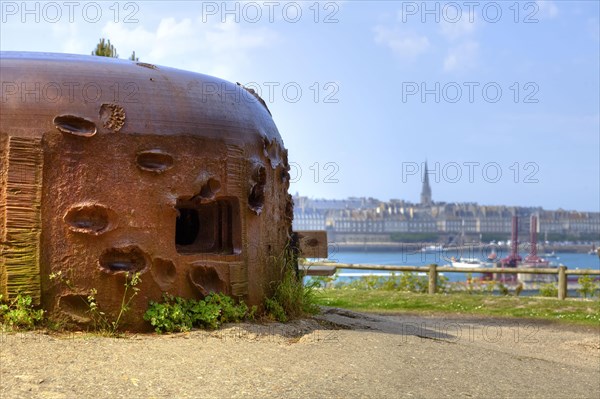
(438, 202)
(427, 199)
(368, 219)
(500, 98)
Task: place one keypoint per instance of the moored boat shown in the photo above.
(432, 248)
(468, 262)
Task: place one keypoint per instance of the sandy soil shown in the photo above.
(339, 354)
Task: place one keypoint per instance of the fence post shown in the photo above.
(562, 282)
(432, 278)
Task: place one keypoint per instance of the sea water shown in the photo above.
(441, 258)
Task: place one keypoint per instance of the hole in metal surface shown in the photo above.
(155, 161)
(164, 272)
(256, 197)
(76, 307)
(213, 227)
(206, 280)
(112, 116)
(146, 65)
(127, 259)
(75, 125)
(91, 219)
(210, 189)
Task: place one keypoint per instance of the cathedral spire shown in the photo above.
(426, 190)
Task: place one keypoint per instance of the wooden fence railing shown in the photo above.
(329, 268)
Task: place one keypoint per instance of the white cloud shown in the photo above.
(69, 39)
(137, 38)
(463, 27)
(406, 45)
(462, 57)
(547, 9)
(463, 52)
(220, 49)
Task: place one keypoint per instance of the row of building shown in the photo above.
(368, 219)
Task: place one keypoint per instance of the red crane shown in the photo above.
(513, 258)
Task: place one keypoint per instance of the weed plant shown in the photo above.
(19, 313)
(291, 298)
(176, 314)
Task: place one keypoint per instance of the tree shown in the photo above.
(105, 49)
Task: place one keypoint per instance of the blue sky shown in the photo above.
(501, 99)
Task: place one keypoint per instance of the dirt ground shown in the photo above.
(339, 354)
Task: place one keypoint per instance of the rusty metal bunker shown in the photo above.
(110, 166)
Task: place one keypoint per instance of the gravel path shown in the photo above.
(339, 354)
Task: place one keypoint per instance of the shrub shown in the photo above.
(587, 286)
(176, 314)
(276, 310)
(503, 289)
(550, 290)
(323, 281)
(19, 313)
(407, 282)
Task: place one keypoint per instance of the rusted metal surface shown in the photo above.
(111, 166)
(313, 243)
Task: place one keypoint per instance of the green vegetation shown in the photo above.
(324, 281)
(414, 237)
(404, 293)
(131, 280)
(576, 311)
(410, 282)
(588, 287)
(101, 322)
(413, 282)
(291, 298)
(178, 314)
(105, 49)
(478, 287)
(549, 290)
(19, 313)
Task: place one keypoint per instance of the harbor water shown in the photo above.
(441, 258)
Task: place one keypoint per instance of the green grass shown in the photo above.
(574, 311)
(291, 298)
